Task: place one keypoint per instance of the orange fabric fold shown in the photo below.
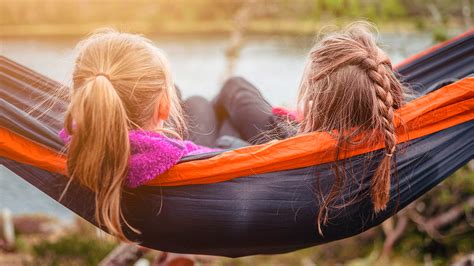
(447, 107)
(21, 149)
(444, 108)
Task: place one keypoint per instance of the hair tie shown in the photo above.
(390, 154)
(102, 74)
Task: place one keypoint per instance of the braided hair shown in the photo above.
(349, 87)
(381, 181)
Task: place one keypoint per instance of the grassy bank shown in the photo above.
(255, 27)
(76, 17)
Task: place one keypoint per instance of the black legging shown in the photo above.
(239, 110)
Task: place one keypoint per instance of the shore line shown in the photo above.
(205, 28)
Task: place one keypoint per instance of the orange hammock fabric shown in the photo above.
(444, 108)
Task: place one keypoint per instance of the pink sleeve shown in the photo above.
(151, 155)
(284, 112)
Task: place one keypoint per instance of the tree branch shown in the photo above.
(393, 234)
(432, 226)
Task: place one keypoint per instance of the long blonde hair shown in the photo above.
(349, 87)
(118, 81)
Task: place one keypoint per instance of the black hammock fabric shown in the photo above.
(259, 214)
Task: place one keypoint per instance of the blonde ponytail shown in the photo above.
(119, 80)
(99, 151)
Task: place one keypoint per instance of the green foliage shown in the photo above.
(20, 18)
(393, 8)
(21, 245)
(355, 9)
(75, 247)
(150, 11)
(440, 34)
(456, 237)
(334, 7)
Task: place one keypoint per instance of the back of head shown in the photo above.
(349, 87)
(118, 80)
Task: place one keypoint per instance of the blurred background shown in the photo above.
(265, 41)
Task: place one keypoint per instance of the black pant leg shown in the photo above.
(203, 127)
(245, 107)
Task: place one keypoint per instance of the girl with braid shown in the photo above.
(348, 87)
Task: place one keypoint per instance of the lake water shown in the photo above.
(273, 63)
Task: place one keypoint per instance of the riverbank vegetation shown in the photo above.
(76, 17)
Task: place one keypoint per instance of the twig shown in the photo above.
(241, 21)
(432, 226)
(466, 13)
(466, 260)
(393, 234)
(123, 254)
(470, 165)
(8, 230)
(435, 13)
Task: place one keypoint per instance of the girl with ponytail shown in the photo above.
(123, 111)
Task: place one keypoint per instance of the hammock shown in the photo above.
(261, 199)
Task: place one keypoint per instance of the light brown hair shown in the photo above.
(348, 88)
(118, 81)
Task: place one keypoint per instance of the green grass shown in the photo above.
(73, 248)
